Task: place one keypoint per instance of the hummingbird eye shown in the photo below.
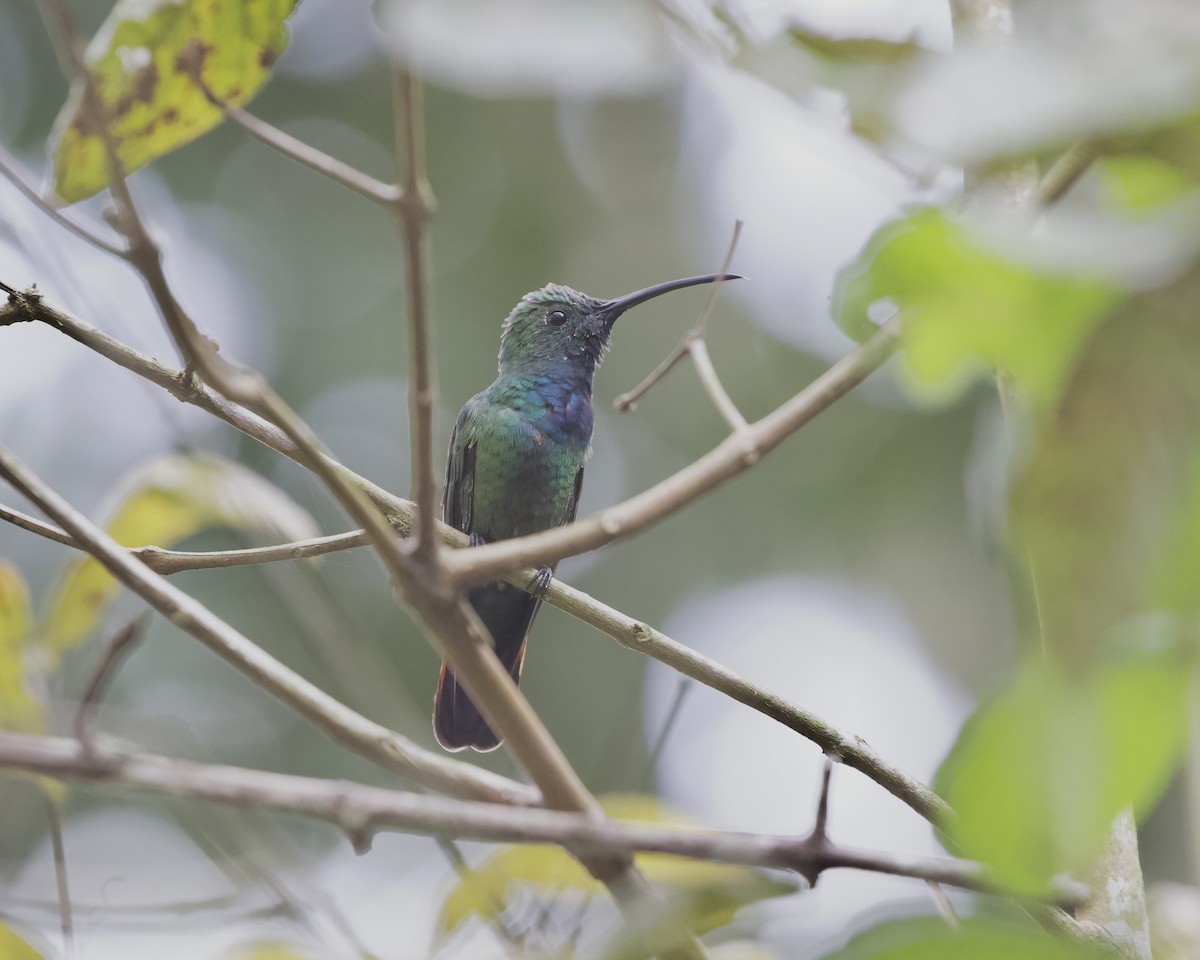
(556, 318)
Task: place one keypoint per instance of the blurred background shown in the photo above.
(606, 146)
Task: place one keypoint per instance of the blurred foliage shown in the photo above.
(161, 503)
(974, 938)
(14, 947)
(970, 309)
(705, 896)
(19, 710)
(1088, 326)
(1039, 772)
(143, 59)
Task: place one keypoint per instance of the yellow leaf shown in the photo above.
(161, 503)
(714, 891)
(13, 947)
(268, 950)
(141, 59)
(18, 709)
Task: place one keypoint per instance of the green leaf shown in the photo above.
(1104, 492)
(18, 709)
(1141, 182)
(162, 503)
(1039, 773)
(976, 938)
(711, 893)
(140, 59)
(969, 310)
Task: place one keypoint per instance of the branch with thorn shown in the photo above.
(359, 811)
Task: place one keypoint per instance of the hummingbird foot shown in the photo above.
(540, 582)
(475, 540)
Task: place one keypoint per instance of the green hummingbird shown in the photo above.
(516, 463)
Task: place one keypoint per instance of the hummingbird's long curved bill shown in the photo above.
(614, 308)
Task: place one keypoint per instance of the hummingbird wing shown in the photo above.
(573, 507)
(458, 494)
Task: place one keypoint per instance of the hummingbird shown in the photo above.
(516, 463)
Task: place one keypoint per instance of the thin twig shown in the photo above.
(65, 913)
(33, 525)
(384, 194)
(820, 828)
(11, 170)
(693, 345)
(414, 211)
(736, 454)
(141, 250)
(119, 646)
(1065, 171)
(376, 742)
(629, 632)
(350, 806)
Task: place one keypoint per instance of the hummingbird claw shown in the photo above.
(540, 582)
(475, 540)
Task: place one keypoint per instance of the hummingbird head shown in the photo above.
(557, 325)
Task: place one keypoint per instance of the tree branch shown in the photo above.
(371, 740)
(736, 454)
(693, 344)
(629, 632)
(414, 211)
(12, 172)
(119, 646)
(384, 194)
(358, 808)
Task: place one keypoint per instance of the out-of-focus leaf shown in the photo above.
(1140, 181)
(531, 48)
(268, 950)
(855, 49)
(1039, 773)
(967, 308)
(1101, 495)
(18, 710)
(162, 503)
(1126, 70)
(709, 893)
(13, 947)
(140, 61)
(976, 938)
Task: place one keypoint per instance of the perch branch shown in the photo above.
(629, 632)
(360, 809)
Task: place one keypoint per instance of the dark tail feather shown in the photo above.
(507, 613)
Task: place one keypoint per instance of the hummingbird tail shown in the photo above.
(457, 722)
(507, 613)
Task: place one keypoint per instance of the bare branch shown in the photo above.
(736, 454)
(141, 251)
(384, 194)
(352, 806)
(415, 209)
(33, 525)
(698, 348)
(66, 918)
(629, 632)
(693, 345)
(1065, 171)
(377, 743)
(119, 646)
(11, 171)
